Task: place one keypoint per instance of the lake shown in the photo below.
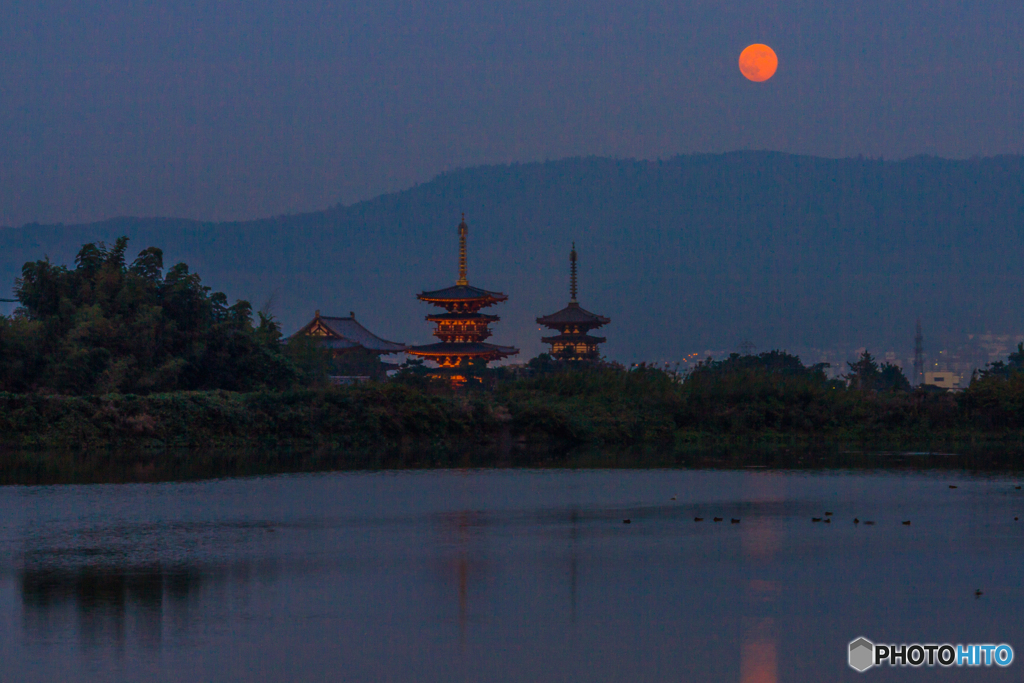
(507, 575)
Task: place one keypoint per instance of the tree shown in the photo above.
(867, 375)
(415, 373)
(543, 364)
(769, 362)
(863, 374)
(1003, 370)
(891, 378)
(109, 326)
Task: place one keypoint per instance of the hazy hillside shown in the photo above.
(691, 253)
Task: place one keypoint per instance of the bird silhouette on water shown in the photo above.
(951, 486)
(856, 521)
(828, 521)
(734, 520)
(906, 523)
(828, 514)
(815, 519)
(718, 519)
(627, 521)
(698, 519)
(977, 593)
(868, 523)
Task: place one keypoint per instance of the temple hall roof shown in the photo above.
(573, 314)
(345, 333)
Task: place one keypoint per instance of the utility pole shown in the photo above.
(918, 356)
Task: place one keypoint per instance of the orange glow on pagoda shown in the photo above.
(461, 328)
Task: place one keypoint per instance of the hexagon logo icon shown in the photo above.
(862, 654)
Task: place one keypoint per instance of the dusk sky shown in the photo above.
(234, 110)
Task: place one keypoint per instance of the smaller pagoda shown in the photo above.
(462, 329)
(572, 343)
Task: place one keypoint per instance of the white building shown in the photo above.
(945, 380)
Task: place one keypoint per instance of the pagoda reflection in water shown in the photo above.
(573, 324)
(462, 329)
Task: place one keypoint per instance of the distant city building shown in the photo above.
(355, 350)
(462, 329)
(994, 347)
(945, 380)
(573, 343)
(918, 356)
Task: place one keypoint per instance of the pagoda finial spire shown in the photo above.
(572, 274)
(463, 229)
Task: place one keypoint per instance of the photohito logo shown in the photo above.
(863, 654)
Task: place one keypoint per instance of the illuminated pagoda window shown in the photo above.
(461, 328)
(355, 351)
(573, 343)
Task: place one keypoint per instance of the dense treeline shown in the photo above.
(117, 353)
(109, 326)
(766, 396)
(769, 399)
(368, 415)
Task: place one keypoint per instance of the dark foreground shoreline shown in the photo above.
(104, 466)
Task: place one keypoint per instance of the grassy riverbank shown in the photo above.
(609, 407)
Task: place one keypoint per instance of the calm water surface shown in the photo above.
(507, 575)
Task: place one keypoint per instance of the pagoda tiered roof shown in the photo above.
(462, 329)
(573, 339)
(573, 314)
(459, 317)
(573, 322)
(493, 351)
(461, 294)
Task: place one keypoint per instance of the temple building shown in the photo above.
(461, 328)
(573, 323)
(355, 351)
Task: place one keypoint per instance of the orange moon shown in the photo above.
(758, 62)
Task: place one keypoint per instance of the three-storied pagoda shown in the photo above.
(573, 323)
(462, 329)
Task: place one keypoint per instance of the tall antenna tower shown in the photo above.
(918, 355)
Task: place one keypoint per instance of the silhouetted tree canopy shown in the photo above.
(868, 375)
(1004, 369)
(109, 326)
(769, 362)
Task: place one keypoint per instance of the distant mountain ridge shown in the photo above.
(694, 252)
